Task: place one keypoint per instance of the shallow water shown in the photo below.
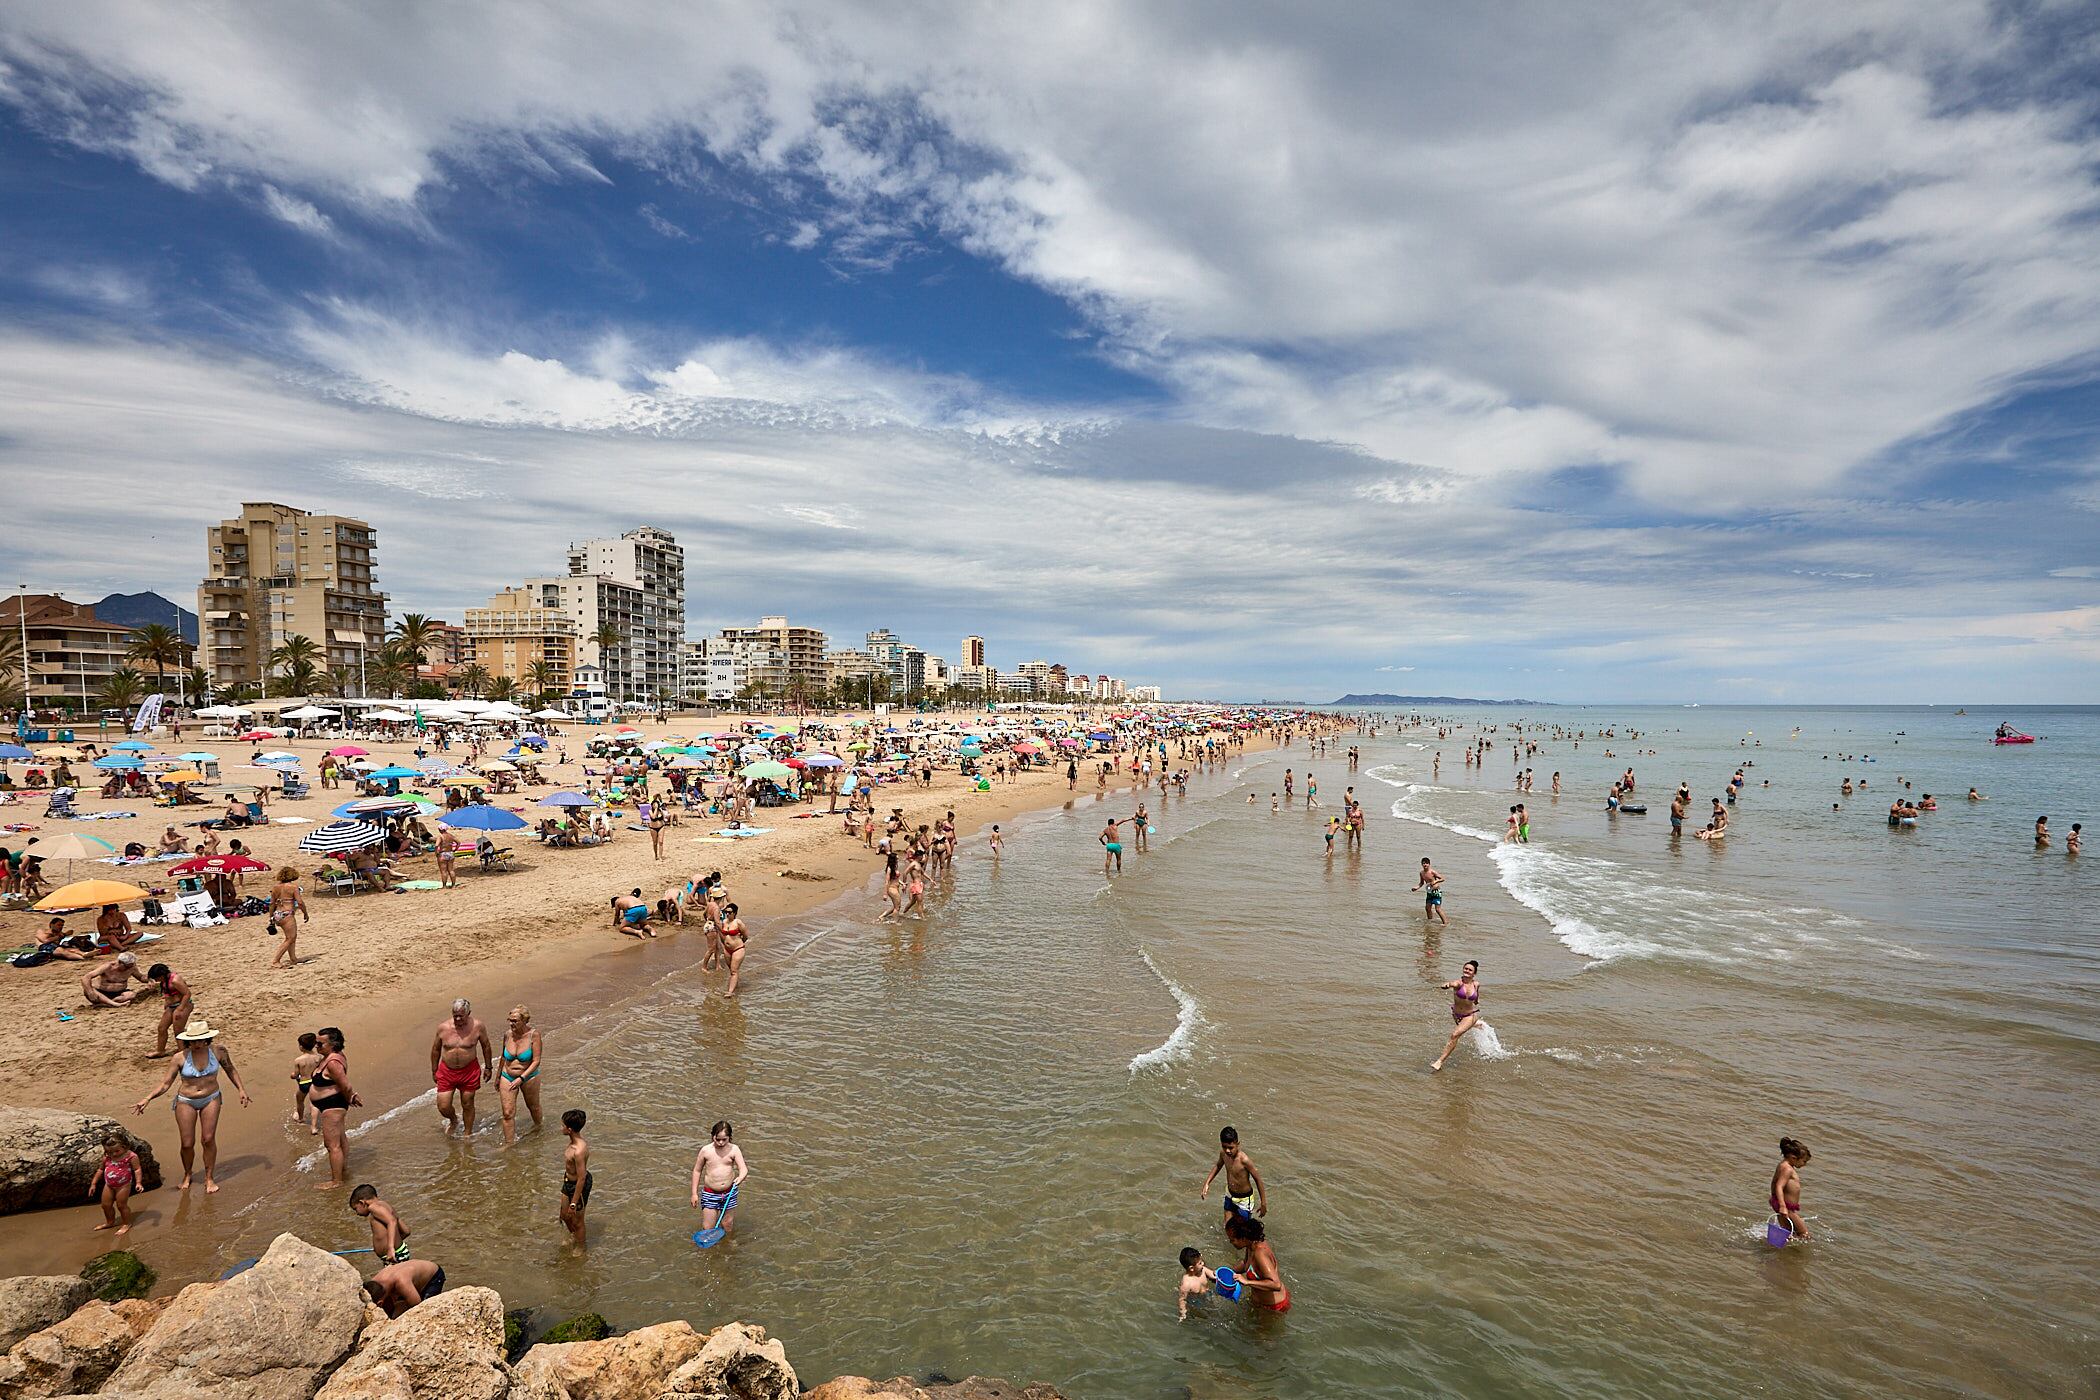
(977, 1142)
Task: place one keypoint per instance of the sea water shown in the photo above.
(977, 1141)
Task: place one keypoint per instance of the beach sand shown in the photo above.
(385, 967)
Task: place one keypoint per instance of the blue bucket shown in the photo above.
(1777, 1234)
(1228, 1286)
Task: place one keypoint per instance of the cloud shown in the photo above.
(295, 211)
(654, 217)
(1396, 668)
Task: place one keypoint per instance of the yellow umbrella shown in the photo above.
(463, 780)
(88, 894)
(497, 765)
(182, 775)
(58, 752)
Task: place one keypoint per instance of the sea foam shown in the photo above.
(1176, 1046)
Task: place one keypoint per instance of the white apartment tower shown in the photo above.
(648, 609)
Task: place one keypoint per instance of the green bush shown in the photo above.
(589, 1327)
(117, 1275)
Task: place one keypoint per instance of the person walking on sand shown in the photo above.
(1465, 1008)
(1786, 1186)
(719, 1170)
(1432, 886)
(1111, 839)
(331, 1099)
(198, 1101)
(117, 1175)
(461, 1056)
(287, 908)
(576, 1179)
(523, 1056)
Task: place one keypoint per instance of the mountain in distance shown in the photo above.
(1427, 700)
(138, 609)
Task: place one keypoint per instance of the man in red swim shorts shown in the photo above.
(455, 1065)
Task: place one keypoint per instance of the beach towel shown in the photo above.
(140, 860)
(21, 826)
(293, 821)
(100, 816)
(738, 833)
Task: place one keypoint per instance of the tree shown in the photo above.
(606, 638)
(503, 688)
(296, 656)
(340, 680)
(10, 667)
(540, 675)
(473, 678)
(198, 684)
(303, 677)
(123, 689)
(418, 633)
(159, 644)
(392, 668)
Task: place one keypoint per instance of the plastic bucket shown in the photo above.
(1228, 1286)
(1777, 1234)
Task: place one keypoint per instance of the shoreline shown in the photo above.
(562, 977)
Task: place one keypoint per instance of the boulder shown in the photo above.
(634, 1366)
(445, 1348)
(271, 1333)
(140, 1314)
(737, 1362)
(72, 1356)
(905, 1388)
(48, 1156)
(35, 1301)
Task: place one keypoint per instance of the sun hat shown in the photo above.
(197, 1028)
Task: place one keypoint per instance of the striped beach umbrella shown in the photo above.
(341, 836)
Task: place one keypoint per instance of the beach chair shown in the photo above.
(296, 787)
(336, 880)
(60, 803)
(255, 815)
(493, 857)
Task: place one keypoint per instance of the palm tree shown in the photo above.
(340, 680)
(418, 633)
(541, 675)
(393, 667)
(10, 666)
(158, 643)
(503, 688)
(473, 678)
(199, 684)
(605, 639)
(123, 689)
(288, 656)
(303, 677)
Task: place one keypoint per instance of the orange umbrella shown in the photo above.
(88, 894)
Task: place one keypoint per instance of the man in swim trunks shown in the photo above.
(630, 914)
(576, 1179)
(389, 1231)
(110, 984)
(1678, 804)
(399, 1287)
(1245, 1196)
(1432, 884)
(718, 1170)
(1111, 839)
(455, 1067)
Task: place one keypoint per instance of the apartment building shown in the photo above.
(273, 572)
(70, 651)
(972, 651)
(647, 605)
(533, 622)
(781, 657)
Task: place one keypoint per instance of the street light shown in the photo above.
(22, 614)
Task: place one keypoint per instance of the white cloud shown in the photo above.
(299, 213)
(1396, 668)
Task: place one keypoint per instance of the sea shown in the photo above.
(977, 1142)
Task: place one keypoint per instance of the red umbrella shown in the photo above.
(347, 751)
(252, 735)
(226, 865)
(794, 763)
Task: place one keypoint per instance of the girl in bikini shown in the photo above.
(1465, 1008)
(1786, 1186)
(198, 1101)
(117, 1178)
(915, 888)
(523, 1058)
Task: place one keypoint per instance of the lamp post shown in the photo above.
(22, 614)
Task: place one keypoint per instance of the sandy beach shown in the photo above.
(385, 967)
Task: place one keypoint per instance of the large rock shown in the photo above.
(634, 1366)
(445, 1348)
(48, 1156)
(736, 1363)
(33, 1302)
(72, 1356)
(905, 1388)
(272, 1333)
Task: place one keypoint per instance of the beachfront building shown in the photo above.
(645, 603)
(780, 660)
(905, 663)
(70, 651)
(939, 675)
(1019, 683)
(523, 625)
(1146, 694)
(273, 572)
(972, 651)
(974, 678)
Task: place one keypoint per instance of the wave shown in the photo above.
(1487, 1044)
(1176, 1046)
(1401, 810)
(319, 1155)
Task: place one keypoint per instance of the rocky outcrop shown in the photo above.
(634, 1366)
(48, 1156)
(32, 1303)
(274, 1332)
(445, 1348)
(72, 1356)
(737, 1362)
(905, 1388)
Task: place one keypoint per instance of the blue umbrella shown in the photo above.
(481, 817)
(132, 744)
(119, 760)
(565, 799)
(395, 771)
(14, 751)
(532, 741)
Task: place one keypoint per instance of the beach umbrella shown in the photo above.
(341, 836)
(73, 846)
(566, 799)
(499, 765)
(463, 780)
(310, 712)
(765, 768)
(688, 761)
(368, 806)
(219, 865)
(14, 752)
(482, 817)
(533, 741)
(347, 751)
(860, 744)
(119, 761)
(220, 712)
(253, 735)
(794, 763)
(88, 894)
(551, 714)
(392, 771)
(135, 745)
(1028, 748)
(277, 756)
(816, 759)
(182, 775)
(198, 757)
(390, 717)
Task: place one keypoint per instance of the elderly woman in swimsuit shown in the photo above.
(197, 1102)
(1465, 1008)
(519, 1073)
(332, 1098)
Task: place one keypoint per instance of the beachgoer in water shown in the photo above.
(1465, 1008)
(1786, 1186)
(117, 1175)
(303, 1066)
(198, 1101)
(734, 937)
(1111, 840)
(2041, 833)
(456, 1068)
(331, 1099)
(518, 1073)
(1432, 885)
(1260, 1278)
(1245, 1196)
(389, 1231)
(1195, 1281)
(576, 1177)
(719, 1170)
(2075, 839)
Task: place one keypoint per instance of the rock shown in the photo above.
(74, 1355)
(140, 1314)
(445, 1348)
(48, 1156)
(737, 1363)
(35, 1301)
(585, 1327)
(633, 1366)
(118, 1274)
(271, 1333)
(905, 1388)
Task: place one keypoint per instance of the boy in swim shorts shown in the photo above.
(1196, 1280)
(575, 1174)
(1243, 1188)
(719, 1169)
(389, 1230)
(399, 1287)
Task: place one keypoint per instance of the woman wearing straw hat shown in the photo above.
(197, 1102)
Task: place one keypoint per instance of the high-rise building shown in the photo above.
(273, 572)
(649, 563)
(523, 625)
(972, 652)
(780, 659)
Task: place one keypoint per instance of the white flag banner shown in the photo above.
(149, 714)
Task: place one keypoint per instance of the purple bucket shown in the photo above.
(1777, 1234)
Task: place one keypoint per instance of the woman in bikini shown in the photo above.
(447, 859)
(519, 1072)
(117, 1177)
(734, 936)
(287, 908)
(915, 887)
(197, 1102)
(1465, 1008)
(176, 1004)
(892, 896)
(1259, 1274)
(1786, 1186)
(331, 1099)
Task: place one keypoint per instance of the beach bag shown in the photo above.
(35, 957)
(153, 911)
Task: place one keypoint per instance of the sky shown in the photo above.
(1579, 351)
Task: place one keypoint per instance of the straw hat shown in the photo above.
(197, 1029)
